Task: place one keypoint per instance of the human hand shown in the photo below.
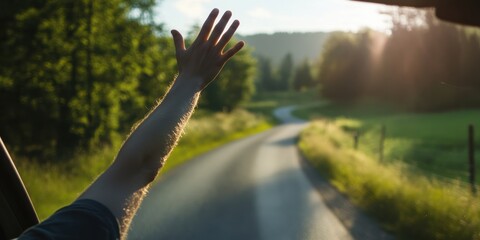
(205, 58)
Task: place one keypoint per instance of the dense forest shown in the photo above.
(423, 65)
(285, 76)
(74, 73)
(285, 59)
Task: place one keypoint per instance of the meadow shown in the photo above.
(433, 144)
(409, 205)
(419, 190)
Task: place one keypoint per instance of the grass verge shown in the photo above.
(435, 143)
(52, 186)
(410, 205)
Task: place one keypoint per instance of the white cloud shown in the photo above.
(191, 8)
(259, 12)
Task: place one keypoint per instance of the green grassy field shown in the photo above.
(433, 143)
(408, 204)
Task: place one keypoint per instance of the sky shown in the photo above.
(268, 16)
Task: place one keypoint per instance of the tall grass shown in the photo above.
(52, 186)
(410, 205)
(212, 131)
(434, 143)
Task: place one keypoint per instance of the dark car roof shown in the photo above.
(458, 11)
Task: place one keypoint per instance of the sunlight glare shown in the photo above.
(270, 16)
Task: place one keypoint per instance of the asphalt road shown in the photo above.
(254, 188)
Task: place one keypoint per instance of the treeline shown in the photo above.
(301, 45)
(423, 65)
(74, 73)
(284, 77)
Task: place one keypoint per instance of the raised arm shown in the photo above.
(124, 184)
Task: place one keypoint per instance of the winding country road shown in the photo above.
(253, 188)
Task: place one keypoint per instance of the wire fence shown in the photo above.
(470, 161)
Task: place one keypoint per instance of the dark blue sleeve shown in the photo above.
(83, 219)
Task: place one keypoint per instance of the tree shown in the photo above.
(344, 67)
(303, 78)
(285, 73)
(427, 66)
(423, 65)
(75, 72)
(267, 80)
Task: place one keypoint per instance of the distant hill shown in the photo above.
(275, 46)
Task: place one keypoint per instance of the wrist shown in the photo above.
(188, 82)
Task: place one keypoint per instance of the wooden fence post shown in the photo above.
(382, 142)
(356, 137)
(471, 157)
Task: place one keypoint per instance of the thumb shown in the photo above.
(178, 41)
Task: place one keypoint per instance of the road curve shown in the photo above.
(253, 188)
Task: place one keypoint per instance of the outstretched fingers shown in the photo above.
(219, 28)
(232, 51)
(208, 25)
(228, 35)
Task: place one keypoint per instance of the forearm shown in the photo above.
(152, 141)
(145, 151)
